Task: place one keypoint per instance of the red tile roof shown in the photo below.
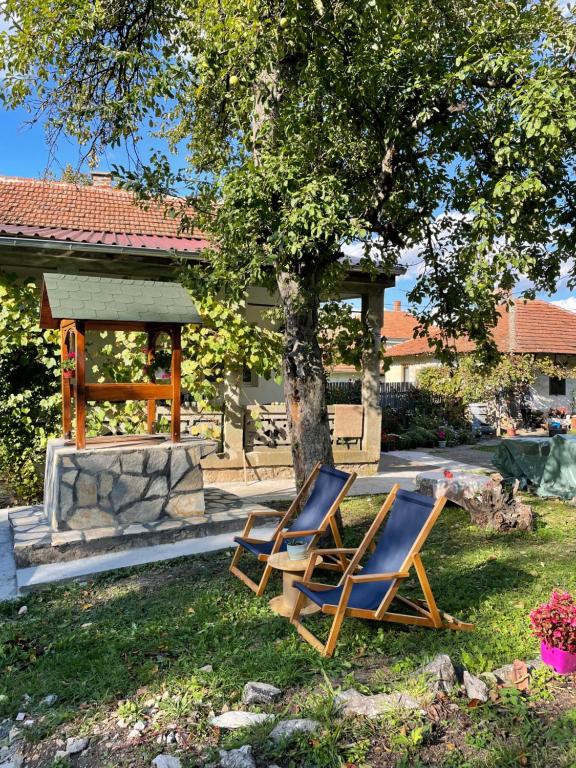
(398, 324)
(530, 327)
(92, 214)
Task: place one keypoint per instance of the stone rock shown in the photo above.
(23, 610)
(76, 745)
(237, 758)
(260, 693)
(143, 511)
(191, 481)
(440, 674)
(5, 727)
(157, 461)
(140, 726)
(14, 735)
(66, 500)
(61, 755)
(288, 728)
(93, 517)
(128, 489)
(238, 719)
(166, 761)
(158, 487)
(186, 504)
(133, 463)
(50, 700)
(178, 466)
(69, 477)
(474, 687)
(206, 668)
(98, 462)
(86, 490)
(93, 534)
(105, 483)
(352, 702)
(504, 674)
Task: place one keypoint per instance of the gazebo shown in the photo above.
(75, 304)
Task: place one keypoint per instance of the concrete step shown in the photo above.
(38, 576)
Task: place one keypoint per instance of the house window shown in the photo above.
(405, 374)
(249, 378)
(556, 386)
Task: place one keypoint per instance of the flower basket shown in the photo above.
(67, 374)
(554, 624)
(161, 375)
(562, 662)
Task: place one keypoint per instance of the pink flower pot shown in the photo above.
(562, 662)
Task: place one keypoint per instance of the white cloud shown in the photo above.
(569, 303)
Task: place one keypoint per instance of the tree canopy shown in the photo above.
(446, 125)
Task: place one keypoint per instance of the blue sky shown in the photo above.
(26, 153)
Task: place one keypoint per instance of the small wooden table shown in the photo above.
(284, 604)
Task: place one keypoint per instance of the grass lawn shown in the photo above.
(107, 648)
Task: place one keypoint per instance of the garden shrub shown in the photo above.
(30, 387)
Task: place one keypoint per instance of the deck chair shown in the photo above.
(314, 516)
(406, 519)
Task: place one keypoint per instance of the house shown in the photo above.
(100, 230)
(530, 327)
(397, 327)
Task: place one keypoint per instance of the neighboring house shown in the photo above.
(98, 229)
(530, 327)
(397, 327)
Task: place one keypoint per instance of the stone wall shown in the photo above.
(135, 483)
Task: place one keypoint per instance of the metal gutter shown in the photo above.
(61, 245)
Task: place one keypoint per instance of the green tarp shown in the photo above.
(547, 464)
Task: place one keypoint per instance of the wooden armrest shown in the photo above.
(297, 534)
(315, 585)
(367, 578)
(336, 551)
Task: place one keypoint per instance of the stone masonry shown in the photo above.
(117, 486)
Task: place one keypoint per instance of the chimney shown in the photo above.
(101, 178)
(397, 306)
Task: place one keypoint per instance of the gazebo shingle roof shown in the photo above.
(77, 297)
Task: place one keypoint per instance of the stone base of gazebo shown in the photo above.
(131, 480)
(115, 495)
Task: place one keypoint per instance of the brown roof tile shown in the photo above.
(530, 327)
(37, 203)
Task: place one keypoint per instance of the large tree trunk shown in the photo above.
(304, 377)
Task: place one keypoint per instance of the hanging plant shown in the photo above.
(68, 366)
(159, 367)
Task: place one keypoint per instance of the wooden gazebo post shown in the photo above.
(151, 404)
(80, 387)
(176, 373)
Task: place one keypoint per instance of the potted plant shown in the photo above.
(297, 549)
(554, 624)
(158, 368)
(68, 366)
(442, 442)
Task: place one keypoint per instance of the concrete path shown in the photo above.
(395, 467)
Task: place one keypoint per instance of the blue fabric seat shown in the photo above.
(404, 523)
(402, 526)
(326, 487)
(326, 490)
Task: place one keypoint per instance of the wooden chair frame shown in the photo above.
(428, 612)
(336, 562)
